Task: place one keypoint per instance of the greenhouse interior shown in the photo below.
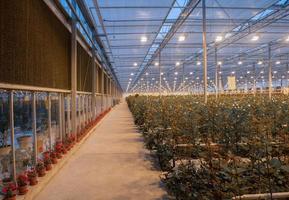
(144, 99)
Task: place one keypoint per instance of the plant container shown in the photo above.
(48, 167)
(22, 190)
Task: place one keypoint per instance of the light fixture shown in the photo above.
(156, 64)
(135, 64)
(277, 62)
(176, 78)
(287, 39)
(248, 72)
(220, 72)
(131, 74)
(191, 73)
(260, 62)
(182, 38)
(186, 78)
(219, 63)
(162, 73)
(143, 39)
(147, 74)
(255, 38)
(164, 79)
(262, 72)
(198, 63)
(219, 38)
(130, 79)
(232, 72)
(240, 62)
(275, 72)
(176, 73)
(177, 63)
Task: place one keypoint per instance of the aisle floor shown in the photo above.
(112, 164)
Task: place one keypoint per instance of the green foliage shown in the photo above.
(231, 146)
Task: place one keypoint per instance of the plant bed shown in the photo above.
(240, 143)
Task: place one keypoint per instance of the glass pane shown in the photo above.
(55, 128)
(78, 113)
(5, 137)
(43, 143)
(67, 105)
(85, 110)
(23, 130)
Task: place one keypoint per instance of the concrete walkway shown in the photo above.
(111, 165)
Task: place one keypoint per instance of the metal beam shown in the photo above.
(251, 25)
(175, 26)
(96, 45)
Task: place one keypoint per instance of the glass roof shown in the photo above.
(132, 31)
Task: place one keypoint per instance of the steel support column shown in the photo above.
(34, 127)
(102, 91)
(254, 81)
(160, 75)
(270, 70)
(60, 116)
(93, 98)
(49, 121)
(73, 73)
(11, 122)
(216, 73)
(205, 50)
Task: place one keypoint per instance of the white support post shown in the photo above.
(270, 70)
(102, 91)
(60, 116)
(11, 122)
(94, 86)
(34, 127)
(216, 73)
(254, 81)
(49, 121)
(160, 78)
(205, 50)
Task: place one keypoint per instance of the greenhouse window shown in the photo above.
(66, 7)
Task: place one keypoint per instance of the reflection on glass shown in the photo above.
(42, 123)
(5, 139)
(55, 128)
(23, 130)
